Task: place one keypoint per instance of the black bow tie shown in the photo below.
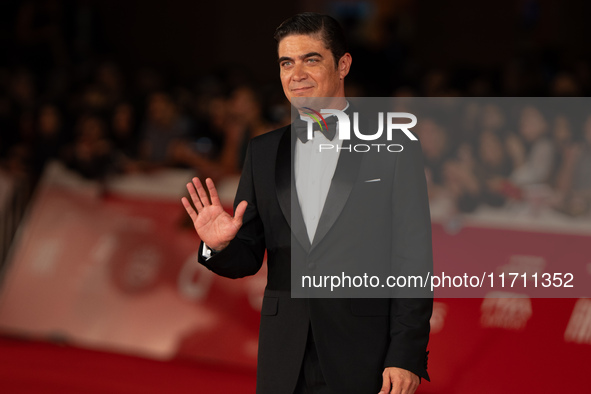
(301, 128)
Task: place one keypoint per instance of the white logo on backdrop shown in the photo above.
(438, 316)
(579, 325)
(505, 310)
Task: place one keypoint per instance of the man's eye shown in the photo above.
(285, 64)
(312, 60)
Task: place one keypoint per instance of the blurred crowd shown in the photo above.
(61, 101)
(62, 97)
(491, 151)
(103, 126)
(477, 151)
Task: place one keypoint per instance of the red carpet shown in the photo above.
(38, 367)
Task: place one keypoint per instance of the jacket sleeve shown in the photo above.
(411, 255)
(244, 255)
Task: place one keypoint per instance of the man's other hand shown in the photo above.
(213, 224)
(399, 381)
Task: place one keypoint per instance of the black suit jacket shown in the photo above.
(355, 338)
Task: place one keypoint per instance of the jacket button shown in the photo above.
(311, 266)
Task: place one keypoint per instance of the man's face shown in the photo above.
(307, 68)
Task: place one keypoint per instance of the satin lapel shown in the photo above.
(286, 189)
(338, 193)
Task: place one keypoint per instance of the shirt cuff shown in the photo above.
(207, 252)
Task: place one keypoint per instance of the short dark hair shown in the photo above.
(327, 27)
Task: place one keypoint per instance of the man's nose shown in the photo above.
(299, 73)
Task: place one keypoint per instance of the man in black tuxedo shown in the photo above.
(322, 345)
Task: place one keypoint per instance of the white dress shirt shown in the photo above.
(313, 174)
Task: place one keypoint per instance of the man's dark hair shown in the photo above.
(327, 27)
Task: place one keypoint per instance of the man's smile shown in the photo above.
(301, 89)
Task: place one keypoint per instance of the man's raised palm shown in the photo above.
(213, 224)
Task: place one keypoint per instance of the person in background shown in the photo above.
(49, 140)
(163, 130)
(574, 197)
(532, 151)
(124, 138)
(91, 152)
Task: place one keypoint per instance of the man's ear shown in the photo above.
(344, 65)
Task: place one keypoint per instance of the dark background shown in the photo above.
(185, 38)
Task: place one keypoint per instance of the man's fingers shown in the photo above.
(194, 197)
(397, 387)
(239, 212)
(413, 387)
(189, 208)
(201, 191)
(386, 384)
(399, 381)
(213, 193)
